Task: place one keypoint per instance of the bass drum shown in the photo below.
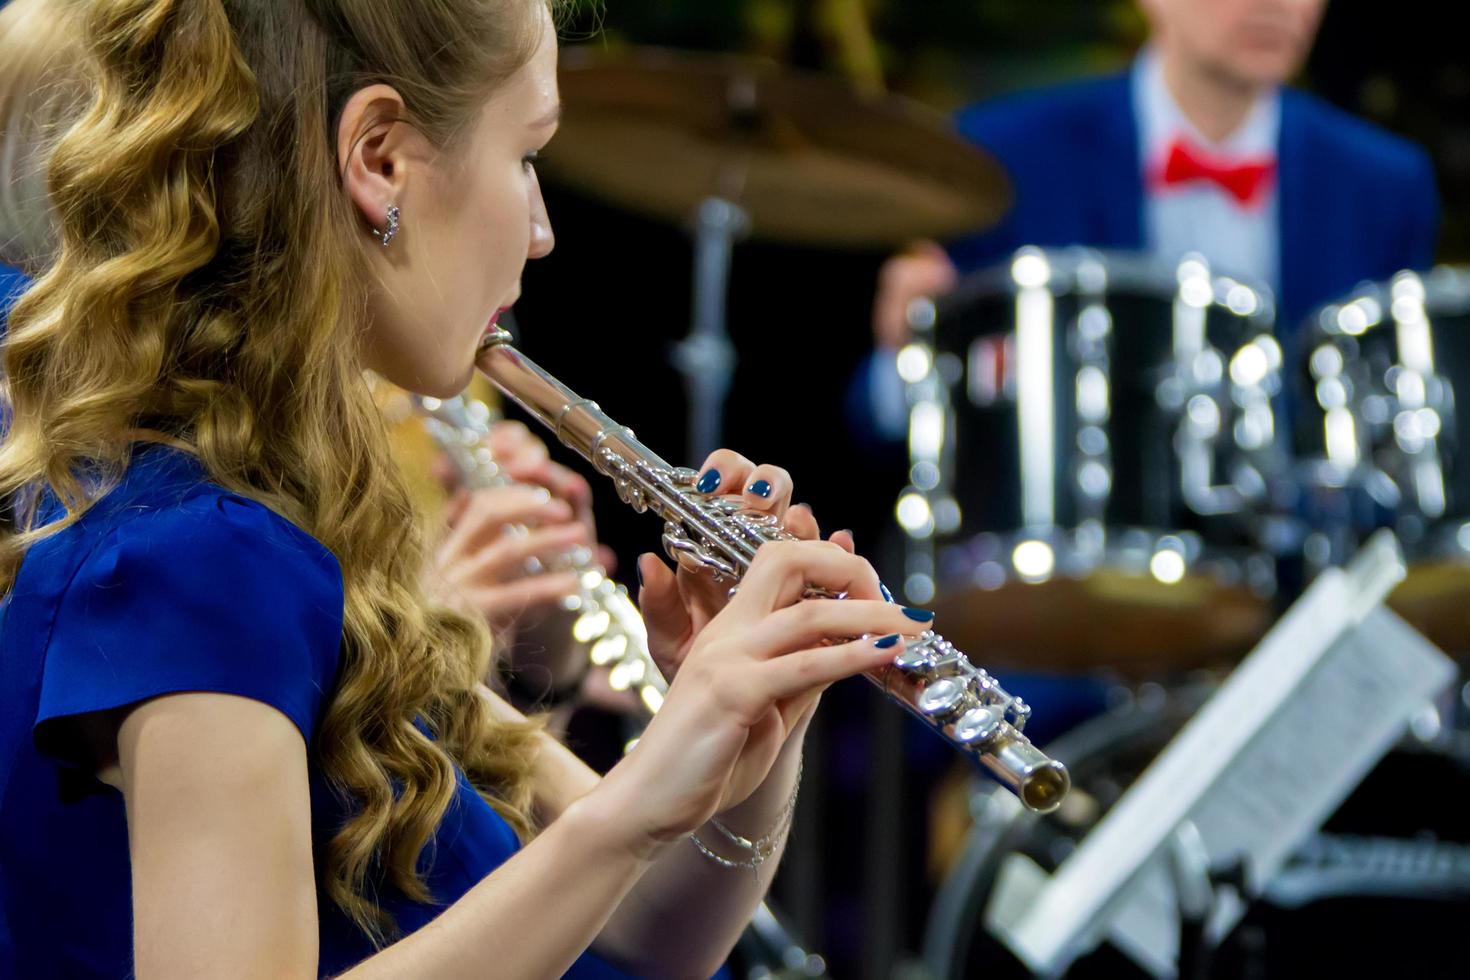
(1092, 438)
(1383, 889)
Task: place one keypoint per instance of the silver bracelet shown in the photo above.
(761, 850)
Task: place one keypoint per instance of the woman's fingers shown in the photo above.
(767, 490)
(561, 481)
(506, 558)
(725, 471)
(489, 512)
(815, 621)
(664, 613)
(607, 558)
(505, 602)
(446, 474)
(510, 439)
(805, 670)
(455, 507)
(525, 459)
(801, 523)
(783, 571)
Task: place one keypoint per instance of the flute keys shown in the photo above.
(944, 699)
(980, 725)
(609, 650)
(591, 625)
(915, 660)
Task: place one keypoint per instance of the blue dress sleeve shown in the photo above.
(217, 594)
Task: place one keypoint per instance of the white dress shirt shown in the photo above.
(1201, 216)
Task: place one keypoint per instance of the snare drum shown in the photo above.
(1092, 436)
(1384, 381)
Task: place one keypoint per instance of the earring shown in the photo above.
(388, 235)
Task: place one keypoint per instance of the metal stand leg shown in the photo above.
(1189, 861)
(706, 357)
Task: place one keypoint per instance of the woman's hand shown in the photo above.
(676, 606)
(501, 541)
(525, 459)
(488, 563)
(749, 678)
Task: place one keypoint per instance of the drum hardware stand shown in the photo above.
(1189, 865)
(1198, 886)
(1254, 773)
(706, 358)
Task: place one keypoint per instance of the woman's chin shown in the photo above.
(442, 381)
(454, 385)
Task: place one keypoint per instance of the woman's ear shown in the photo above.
(372, 150)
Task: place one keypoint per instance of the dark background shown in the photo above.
(603, 310)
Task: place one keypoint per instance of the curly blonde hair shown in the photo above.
(41, 91)
(210, 283)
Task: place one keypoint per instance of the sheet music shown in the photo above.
(1295, 772)
(1259, 767)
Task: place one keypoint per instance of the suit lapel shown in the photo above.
(1298, 199)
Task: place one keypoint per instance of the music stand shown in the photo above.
(1267, 759)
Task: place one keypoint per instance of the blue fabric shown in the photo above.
(1071, 153)
(1356, 201)
(171, 584)
(13, 282)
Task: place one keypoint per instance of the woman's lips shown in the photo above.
(495, 319)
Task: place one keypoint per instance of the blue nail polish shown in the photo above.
(886, 594)
(760, 488)
(891, 640)
(709, 482)
(918, 615)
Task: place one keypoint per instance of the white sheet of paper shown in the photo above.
(1263, 763)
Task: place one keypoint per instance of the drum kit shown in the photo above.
(1118, 467)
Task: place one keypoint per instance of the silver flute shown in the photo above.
(607, 620)
(929, 676)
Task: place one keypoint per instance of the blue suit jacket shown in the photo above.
(1355, 201)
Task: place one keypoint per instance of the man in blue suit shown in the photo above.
(1198, 147)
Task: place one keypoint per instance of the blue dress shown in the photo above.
(168, 584)
(12, 283)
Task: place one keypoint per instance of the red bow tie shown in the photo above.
(1243, 181)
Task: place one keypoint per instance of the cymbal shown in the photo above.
(809, 159)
